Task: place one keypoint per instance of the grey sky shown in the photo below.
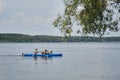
(32, 17)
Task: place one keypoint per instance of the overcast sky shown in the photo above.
(32, 17)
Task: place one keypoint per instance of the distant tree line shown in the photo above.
(45, 38)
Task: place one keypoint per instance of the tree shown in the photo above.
(96, 16)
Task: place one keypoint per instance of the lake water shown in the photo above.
(80, 61)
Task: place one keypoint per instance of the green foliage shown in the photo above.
(28, 38)
(44, 38)
(96, 17)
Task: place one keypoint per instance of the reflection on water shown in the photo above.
(38, 59)
(81, 61)
(42, 57)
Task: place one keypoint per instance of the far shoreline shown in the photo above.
(23, 38)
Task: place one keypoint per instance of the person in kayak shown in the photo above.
(51, 52)
(36, 51)
(46, 51)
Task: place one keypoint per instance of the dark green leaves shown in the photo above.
(97, 16)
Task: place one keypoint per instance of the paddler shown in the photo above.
(36, 51)
(46, 51)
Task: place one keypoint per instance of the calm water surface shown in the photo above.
(80, 61)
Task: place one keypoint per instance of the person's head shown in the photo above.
(45, 49)
(51, 51)
(36, 49)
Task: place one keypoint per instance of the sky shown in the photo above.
(32, 17)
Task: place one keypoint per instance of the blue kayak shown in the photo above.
(42, 55)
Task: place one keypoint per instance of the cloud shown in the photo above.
(58, 8)
(13, 19)
(21, 18)
(2, 6)
(29, 12)
(36, 20)
(19, 14)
